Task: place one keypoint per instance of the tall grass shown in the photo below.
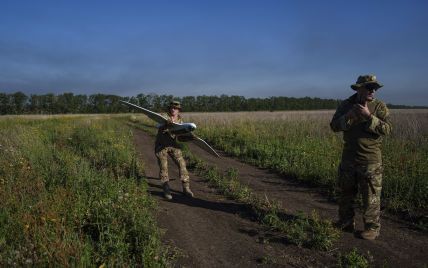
(301, 145)
(70, 196)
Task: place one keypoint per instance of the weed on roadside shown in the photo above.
(353, 259)
(71, 195)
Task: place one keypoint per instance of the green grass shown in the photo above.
(353, 259)
(70, 195)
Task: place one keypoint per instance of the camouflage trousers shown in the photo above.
(177, 156)
(368, 178)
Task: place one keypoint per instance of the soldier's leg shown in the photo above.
(162, 156)
(178, 158)
(184, 174)
(348, 186)
(371, 188)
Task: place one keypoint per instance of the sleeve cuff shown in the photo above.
(373, 123)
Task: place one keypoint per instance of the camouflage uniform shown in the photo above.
(166, 145)
(361, 163)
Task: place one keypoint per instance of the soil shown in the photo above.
(210, 230)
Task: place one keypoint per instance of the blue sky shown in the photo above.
(249, 48)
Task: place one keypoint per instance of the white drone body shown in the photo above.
(183, 131)
(178, 129)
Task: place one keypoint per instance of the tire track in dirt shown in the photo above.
(213, 231)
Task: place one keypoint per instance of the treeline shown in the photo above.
(19, 103)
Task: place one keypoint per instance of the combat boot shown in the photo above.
(346, 226)
(370, 234)
(166, 191)
(186, 189)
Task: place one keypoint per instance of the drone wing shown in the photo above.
(152, 115)
(204, 145)
(199, 142)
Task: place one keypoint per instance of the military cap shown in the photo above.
(174, 104)
(367, 81)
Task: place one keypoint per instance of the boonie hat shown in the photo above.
(367, 81)
(174, 104)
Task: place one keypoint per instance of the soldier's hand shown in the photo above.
(363, 110)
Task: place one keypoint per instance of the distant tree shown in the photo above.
(4, 104)
(96, 103)
(81, 104)
(18, 101)
(188, 103)
(34, 106)
(143, 100)
(65, 103)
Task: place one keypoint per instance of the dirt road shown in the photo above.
(212, 231)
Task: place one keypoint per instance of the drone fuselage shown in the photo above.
(179, 129)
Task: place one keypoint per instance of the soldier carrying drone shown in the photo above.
(165, 145)
(170, 130)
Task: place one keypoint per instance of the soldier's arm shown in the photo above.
(380, 122)
(168, 123)
(341, 120)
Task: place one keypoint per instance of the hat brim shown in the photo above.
(358, 86)
(173, 106)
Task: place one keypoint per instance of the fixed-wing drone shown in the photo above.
(183, 131)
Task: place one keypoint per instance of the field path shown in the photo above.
(213, 231)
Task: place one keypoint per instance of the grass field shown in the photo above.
(70, 195)
(301, 145)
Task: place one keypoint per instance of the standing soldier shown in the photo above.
(364, 121)
(166, 144)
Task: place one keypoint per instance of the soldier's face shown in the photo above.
(174, 111)
(366, 94)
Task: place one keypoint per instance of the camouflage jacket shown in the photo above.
(362, 137)
(164, 138)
